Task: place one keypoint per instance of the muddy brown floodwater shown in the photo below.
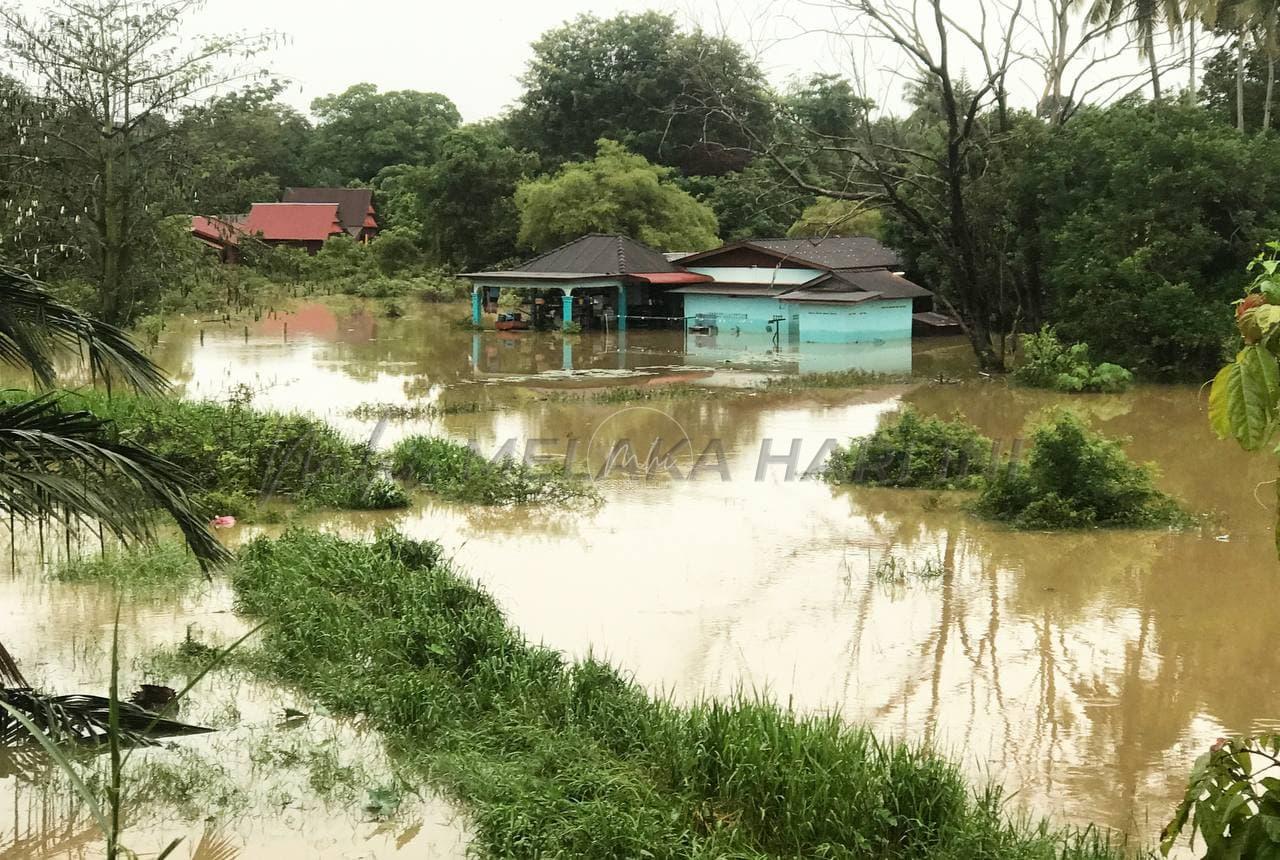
(1083, 671)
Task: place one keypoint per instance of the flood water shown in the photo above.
(1082, 671)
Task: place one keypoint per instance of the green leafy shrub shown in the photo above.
(554, 758)
(456, 472)
(1048, 363)
(1075, 478)
(379, 494)
(911, 451)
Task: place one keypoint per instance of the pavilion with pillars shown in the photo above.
(600, 278)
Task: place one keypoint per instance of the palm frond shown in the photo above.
(83, 718)
(10, 674)
(67, 465)
(35, 326)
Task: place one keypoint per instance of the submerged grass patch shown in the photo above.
(454, 471)
(148, 565)
(237, 454)
(852, 378)
(557, 758)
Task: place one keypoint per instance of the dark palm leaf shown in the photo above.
(67, 465)
(35, 326)
(83, 718)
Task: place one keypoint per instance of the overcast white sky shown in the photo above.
(474, 50)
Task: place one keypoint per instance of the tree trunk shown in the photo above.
(1240, 61)
(1191, 57)
(1271, 86)
(1155, 66)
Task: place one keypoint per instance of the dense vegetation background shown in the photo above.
(1123, 224)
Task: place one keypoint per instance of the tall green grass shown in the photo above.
(552, 758)
(146, 566)
(454, 471)
(237, 454)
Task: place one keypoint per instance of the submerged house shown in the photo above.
(355, 208)
(832, 290)
(301, 225)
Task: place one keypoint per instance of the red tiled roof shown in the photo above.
(298, 222)
(215, 231)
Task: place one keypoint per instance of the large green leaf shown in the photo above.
(1243, 399)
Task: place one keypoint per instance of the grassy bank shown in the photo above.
(237, 454)
(554, 758)
(453, 471)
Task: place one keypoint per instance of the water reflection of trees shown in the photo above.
(1124, 646)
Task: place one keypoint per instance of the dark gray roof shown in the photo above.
(601, 254)
(518, 275)
(858, 252)
(838, 297)
(353, 203)
(882, 281)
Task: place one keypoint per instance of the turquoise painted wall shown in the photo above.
(810, 323)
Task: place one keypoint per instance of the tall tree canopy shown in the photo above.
(245, 148)
(639, 80)
(96, 137)
(361, 131)
(616, 192)
(462, 206)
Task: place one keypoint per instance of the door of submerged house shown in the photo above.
(793, 331)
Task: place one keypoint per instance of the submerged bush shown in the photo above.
(1075, 478)
(552, 758)
(236, 453)
(1049, 363)
(456, 472)
(911, 451)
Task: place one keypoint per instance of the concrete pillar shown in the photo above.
(475, 305)
(622, 307)
(566, 354)
(475, 351)
(622, 349)
(566, 308)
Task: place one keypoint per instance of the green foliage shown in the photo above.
(394, 251)
(553, 758)
(462, 206)
(639, 80)
(147, 565)
(456, 472)
(361, 131)
(239, 452)
(829, 217)
(1232, 801)
(1075, 478)
(1245, 397)
(911, 451)
(752, 203)
(1048, 363)
(617, 192)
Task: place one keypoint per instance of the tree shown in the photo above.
(245, 147)
(634, 79)
(828, 217)
(1145, 18)
(616, 192)
(97, 132)
(465, 201)
(361, 131)
(753, 203)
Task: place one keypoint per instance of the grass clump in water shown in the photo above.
(1075, 478)
(914, 451)
(146, 565)
(852, 378)
(570, 759)
(456, 472)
